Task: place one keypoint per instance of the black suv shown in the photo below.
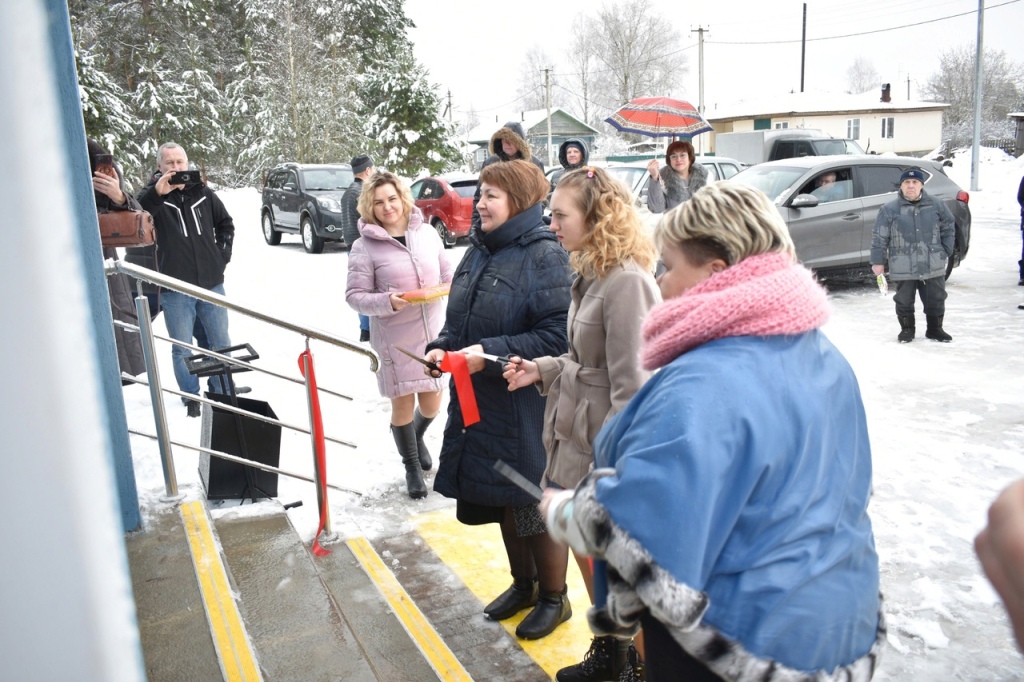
(305, 199)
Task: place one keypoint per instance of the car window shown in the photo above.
(879, 179)
(835, 184)
(416, 188)
(830, 147)
(325, 179)
(290, 179)
(804, 148)
(712, 171)
(465, 188)
(729, 170)
(274, 180)
(777, 181)
(628, 175)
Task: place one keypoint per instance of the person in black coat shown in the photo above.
(507, 143)
(362, 168)
(108, 188)
(509, 296)
(194, 235)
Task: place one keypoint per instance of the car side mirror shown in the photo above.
(290, 187)
(804, 201)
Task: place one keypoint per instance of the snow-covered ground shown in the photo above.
(946, 422)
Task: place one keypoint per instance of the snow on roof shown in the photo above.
(528, 119)
(804, 103)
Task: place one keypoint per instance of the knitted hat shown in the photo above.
(912, 174)
(361, 163)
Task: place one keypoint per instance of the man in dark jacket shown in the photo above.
(362, 167)
(915, 235)
(194, 238)
(507, 143)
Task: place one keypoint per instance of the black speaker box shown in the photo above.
(224, 480)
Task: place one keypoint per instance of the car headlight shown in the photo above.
(328, 204)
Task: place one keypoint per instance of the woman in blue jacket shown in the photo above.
(730, 502)
(509, 296)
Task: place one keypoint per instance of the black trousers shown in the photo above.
(933, 296)
(666, 661)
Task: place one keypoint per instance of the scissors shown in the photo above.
(503, 359)
(432, 365)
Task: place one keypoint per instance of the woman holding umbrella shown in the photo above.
(677, 180)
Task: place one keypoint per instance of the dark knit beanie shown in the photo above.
(912, 174)
(361, 163)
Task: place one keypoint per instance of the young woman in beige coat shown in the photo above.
(613, 256)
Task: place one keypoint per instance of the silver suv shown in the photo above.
(831, 224)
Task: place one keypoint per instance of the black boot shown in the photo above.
(552, 610)
(421, 423)
(907, 329)
(405, 439)
(604, 661)
(634, 670)
(935, 331)
(522, 595)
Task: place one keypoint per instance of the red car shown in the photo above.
(447, 203)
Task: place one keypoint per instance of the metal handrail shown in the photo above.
(145, 330)
(154, 277)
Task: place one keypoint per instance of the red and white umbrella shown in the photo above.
(659, 117)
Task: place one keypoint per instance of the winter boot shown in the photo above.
(935, 331)
(405, 439)
(906, 328)
(421, 423)
(522, 595)
(603, 662)
(635, 670)
(552, 610)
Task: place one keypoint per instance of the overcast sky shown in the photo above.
(477, 49)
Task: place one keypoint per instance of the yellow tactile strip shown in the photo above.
(234, 650)
(477, 555)
(441, 659)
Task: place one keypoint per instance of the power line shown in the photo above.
(862, 33)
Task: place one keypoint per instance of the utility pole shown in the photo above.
(803, 49)
(975, 146)
(547, 86)
(451, 114)
(908, 87)
(700, 79)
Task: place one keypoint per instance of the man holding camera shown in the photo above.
(194, 235)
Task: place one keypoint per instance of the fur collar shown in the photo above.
(522, 146)
(673, 184)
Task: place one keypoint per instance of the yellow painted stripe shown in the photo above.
(234, 651)
(477, 555)
(437, 653)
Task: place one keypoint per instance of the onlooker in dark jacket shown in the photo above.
(572, 154)
(677, 180)
(507, 143)
(1020, 263)
(362, 167)
(915, 234)
(194, 238)
(108, 188)
(509, 296)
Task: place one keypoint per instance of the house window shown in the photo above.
(887, 127)
(782, 124)
(762, 124)
(853, 128)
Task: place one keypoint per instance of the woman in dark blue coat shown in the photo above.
(509, 296)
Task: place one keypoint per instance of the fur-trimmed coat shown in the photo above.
(514, 133)
(731, 504)
(670, 190)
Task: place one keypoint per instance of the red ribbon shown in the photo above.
(321, 448)
(455, 364)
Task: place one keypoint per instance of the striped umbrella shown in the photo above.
(659, 117)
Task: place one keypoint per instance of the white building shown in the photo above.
(879, 123)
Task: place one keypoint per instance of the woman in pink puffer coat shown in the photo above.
(399, 253)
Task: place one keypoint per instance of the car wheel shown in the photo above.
(312, 242)
(442, 231)
(272, 236)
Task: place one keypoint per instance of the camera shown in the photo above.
(103, 162)
(185, 177)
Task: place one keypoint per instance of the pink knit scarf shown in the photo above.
(763, 295)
